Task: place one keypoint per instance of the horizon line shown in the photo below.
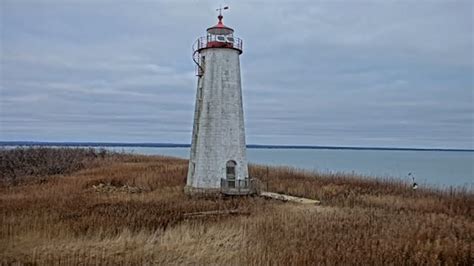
(178, 145)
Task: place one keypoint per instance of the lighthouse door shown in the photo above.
(230, 173)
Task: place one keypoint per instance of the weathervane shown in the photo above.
(222, 8)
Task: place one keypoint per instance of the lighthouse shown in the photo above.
(218, 161)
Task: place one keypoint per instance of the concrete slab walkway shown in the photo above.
(284, 197)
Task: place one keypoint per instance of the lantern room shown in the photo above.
(219, 36)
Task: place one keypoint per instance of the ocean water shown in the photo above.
(438, 168)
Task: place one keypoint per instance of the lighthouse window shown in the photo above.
(193, 165)
(221, 38)
(230, 39)
(230, 166)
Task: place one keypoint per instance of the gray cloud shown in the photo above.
(359, 73)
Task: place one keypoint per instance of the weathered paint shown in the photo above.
(218, 132)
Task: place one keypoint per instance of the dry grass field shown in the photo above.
(76, 206)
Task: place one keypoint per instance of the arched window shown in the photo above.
(230, 169)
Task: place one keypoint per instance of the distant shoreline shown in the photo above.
(250, 146)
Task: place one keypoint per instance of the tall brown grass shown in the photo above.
(64, 220)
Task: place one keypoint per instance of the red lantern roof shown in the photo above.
(220, 28)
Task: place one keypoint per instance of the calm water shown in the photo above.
(441, 168)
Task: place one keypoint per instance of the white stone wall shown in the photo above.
(219, 132)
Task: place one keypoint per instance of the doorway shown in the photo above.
(230, 173)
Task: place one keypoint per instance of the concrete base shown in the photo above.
(216, 192)
(202, 192)
(238, 192)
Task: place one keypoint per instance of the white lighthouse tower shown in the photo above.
(218, 162)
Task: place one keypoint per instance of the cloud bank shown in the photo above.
(343, 73)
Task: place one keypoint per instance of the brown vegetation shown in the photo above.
(18, 164)
(130, 209)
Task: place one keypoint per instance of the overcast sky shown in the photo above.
(342, 73)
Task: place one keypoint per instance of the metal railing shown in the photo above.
(213, 41)
(226, 41)
(198, 61)
(237, 186)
